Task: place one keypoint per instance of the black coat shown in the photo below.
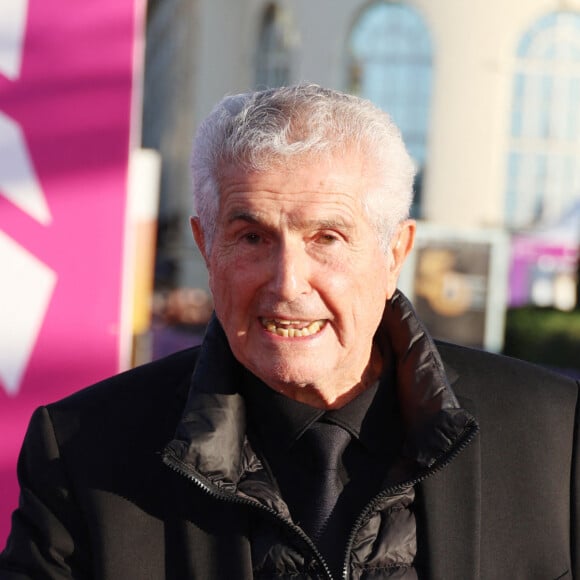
(98, 502)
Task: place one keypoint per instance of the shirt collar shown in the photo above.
(369, 417)
(275, 415)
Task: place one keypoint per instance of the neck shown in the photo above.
(334, 397)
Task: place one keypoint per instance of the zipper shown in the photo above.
(371, 506)
(176, 465)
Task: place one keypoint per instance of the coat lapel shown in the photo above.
(451, 501)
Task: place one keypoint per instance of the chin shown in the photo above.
(291, 379)
(281, 372)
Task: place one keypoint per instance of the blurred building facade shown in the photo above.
(487, 95)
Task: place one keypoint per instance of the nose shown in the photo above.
(290, 271)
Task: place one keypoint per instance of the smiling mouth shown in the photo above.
(292, 328)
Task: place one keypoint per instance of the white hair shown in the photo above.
(262, 130)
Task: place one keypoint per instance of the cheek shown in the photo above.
(220, 284)
(215, 286)
(356, 299)
(373, 292)
(233, 290)
(222, 272)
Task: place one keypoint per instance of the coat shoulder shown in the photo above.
(502, 383)
(161, 374)
(128, 401)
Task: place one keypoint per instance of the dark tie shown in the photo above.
(324, 443)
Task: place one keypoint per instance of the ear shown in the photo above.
(199, 237)
(401, 246)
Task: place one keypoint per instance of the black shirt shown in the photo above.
(276, 424)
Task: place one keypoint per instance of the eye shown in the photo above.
(327, 238)
(252, 238)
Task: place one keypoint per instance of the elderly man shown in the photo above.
(318, 432)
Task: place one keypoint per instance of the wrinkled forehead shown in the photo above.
(320, 185)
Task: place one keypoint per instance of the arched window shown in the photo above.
(543, 180)
(273, 51)
(391, 62)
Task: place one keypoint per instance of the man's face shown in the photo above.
(297, 275)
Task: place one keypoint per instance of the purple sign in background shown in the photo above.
(67, 74)
(533, 257)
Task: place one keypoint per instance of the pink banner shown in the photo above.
(66, 93)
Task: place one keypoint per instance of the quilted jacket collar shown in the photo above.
(211, 444)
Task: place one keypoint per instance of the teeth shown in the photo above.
(281, 327)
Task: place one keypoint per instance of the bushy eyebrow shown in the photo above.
(332, 223)
(244, 216)
(322, 223)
